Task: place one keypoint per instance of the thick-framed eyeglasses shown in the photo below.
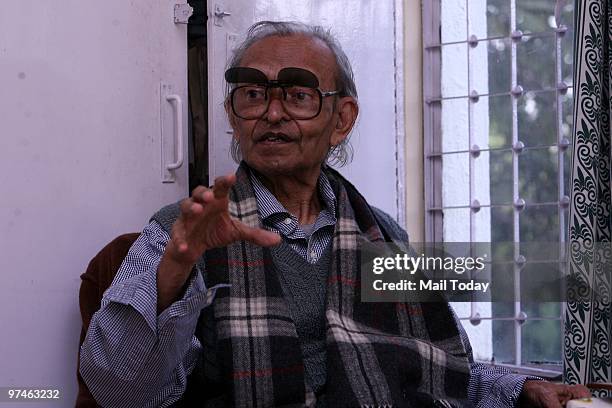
(301, 97)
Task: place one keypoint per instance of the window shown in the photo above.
(497, 128)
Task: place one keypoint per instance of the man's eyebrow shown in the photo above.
(245, 75)
(298, 76)
(285, 76)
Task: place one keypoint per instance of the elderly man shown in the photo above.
(246, 294)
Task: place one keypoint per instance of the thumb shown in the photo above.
(258, 236)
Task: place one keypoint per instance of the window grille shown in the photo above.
(497, 123)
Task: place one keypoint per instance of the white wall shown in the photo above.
(456, 123)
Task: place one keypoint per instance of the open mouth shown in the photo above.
(273, 138)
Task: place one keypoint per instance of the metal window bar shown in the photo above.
(564, 200)
(433, 152)
(515, 191)
(473, 312)
(432, 128)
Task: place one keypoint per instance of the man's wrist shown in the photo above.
(172, 277)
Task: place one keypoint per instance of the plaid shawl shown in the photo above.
(378, 354)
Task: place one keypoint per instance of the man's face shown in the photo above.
(301, 145)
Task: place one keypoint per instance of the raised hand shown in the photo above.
(204, 223)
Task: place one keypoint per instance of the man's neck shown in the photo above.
(299, 195)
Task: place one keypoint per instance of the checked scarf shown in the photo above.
(378, 354)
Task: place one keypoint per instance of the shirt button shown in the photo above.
(287, 220)
(313, 254)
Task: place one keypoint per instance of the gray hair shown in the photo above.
(342, 153)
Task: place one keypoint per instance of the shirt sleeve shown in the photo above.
(495, 386)
(130, 355)
(491, 386)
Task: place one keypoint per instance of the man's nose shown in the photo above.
(276, 109)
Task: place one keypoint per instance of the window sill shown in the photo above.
(553, 373)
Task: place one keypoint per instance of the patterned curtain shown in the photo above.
(588, 330)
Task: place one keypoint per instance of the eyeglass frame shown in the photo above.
(273, 83)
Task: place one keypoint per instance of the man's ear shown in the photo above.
(345, 115)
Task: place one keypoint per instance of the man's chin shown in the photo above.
(272, 167)
(276, 166)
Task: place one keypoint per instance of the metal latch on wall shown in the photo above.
(182, 12)
(220, 14)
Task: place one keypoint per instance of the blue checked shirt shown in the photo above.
(276, 218)
(133, 357)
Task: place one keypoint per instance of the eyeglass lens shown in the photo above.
(251, 101)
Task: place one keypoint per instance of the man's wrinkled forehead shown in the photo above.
(273, 53)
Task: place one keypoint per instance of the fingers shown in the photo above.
(220, 189)
(201, 196)
(198, 194)
(190, 207)
(222, 185)
(258, 236)
(557, 395)
(543, 394)
(205, 220)
(578, 391)
(566, 393)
